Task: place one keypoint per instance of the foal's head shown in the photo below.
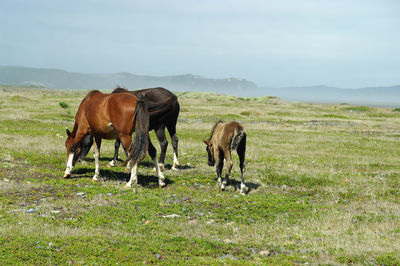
(210, 152)
(69, 144)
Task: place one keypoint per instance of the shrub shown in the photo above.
(64, 105)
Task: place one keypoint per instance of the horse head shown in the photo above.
(73, 148)
(210, 152)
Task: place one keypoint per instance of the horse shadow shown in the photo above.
(147, 181)
(236, 185)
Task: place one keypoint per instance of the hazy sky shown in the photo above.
(344, 43)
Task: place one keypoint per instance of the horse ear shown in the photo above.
(68, 132)
(206, 142)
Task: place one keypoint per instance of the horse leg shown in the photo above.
(160, 132)
(218, 168)
(87, 143)
(96, 158)
(127, 142)
(229, 164)
(174, 141)
(115, 158)
(153, 155)
(241, 150)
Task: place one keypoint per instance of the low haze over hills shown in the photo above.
(60, 79)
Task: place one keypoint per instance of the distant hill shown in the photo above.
(375, 96)
(60, 79)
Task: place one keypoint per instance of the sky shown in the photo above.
(281, 43)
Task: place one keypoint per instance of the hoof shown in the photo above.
(161, 185)
(174, 168)
(67, 176)
(161, 166)
(109, 165)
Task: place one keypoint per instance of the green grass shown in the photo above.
(323, 179)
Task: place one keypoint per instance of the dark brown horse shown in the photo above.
(224, 138)
(112, 116)
(163, 108)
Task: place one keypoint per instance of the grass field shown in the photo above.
(324, 188)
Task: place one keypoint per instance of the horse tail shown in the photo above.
(139, 147)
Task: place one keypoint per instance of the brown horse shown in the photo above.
(163, 108)
(224, 138)
(112, 116)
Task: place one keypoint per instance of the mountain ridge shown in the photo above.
(61, 79)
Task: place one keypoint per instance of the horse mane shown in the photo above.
(119, 90)
(213, 129)
(90, 94)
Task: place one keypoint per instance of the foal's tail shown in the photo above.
(239, 136)
(138, 149)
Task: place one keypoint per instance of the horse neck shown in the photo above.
(73, 133)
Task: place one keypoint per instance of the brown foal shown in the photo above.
(224, 138)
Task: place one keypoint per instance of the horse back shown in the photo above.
(228, 135)
(110, 114)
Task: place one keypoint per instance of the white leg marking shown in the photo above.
(69, 164)
(242, 188)
(176, 162)
(160, 175)
(161, 165)
(97, 169)
(112, 163)
(133, 178)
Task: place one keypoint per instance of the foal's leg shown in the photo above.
(153, 155)
(220, 164)
(96, 158)
(160, 132)
(229, 164)
(174, 140)
(241, 150)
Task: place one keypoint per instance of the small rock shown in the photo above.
(210, 222)
(227, 241)
(158, 256)
(235, 196)
(109, 194)
(251, 220)
(284, 187)
(6, 180)
(81, 194)
(31, 210)
(55, 211)
(264, 253)
(199, 213)
(147, 222)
